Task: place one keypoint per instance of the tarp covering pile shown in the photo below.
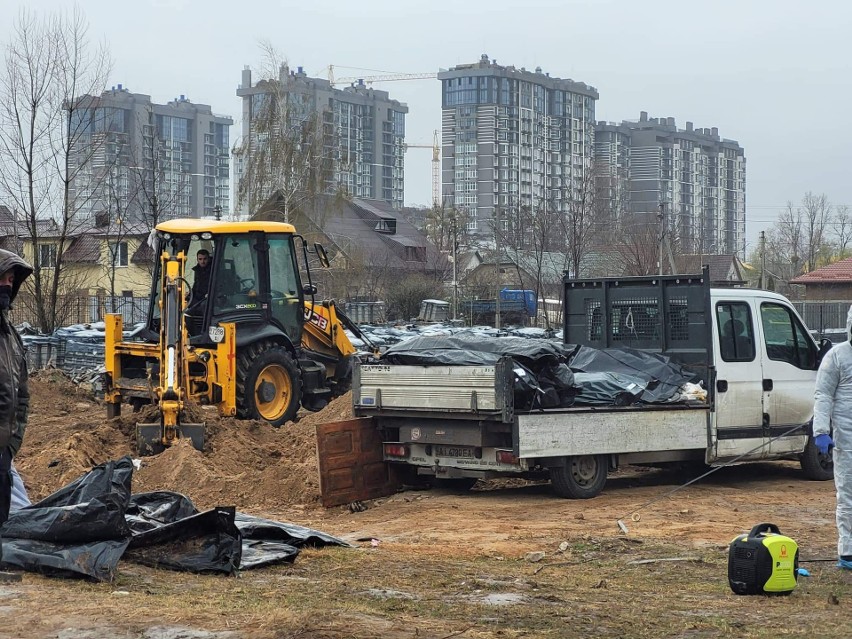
(85, 528)
(549, 374)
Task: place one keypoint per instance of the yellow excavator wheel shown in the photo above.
(273, 392)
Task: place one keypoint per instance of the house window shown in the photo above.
(118, 253)
(47, 255)
(415, 254)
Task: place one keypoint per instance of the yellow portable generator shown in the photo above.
(763, 562)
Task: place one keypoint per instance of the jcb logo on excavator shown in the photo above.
(319, 321)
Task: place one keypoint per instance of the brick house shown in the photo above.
(832, 282)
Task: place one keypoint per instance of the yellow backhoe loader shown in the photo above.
(256, 344)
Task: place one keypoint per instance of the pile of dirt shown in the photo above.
(247, 464)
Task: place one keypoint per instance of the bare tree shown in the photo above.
(115, 223)
(815, 212)
(290, 149)
(638, 246)
(582, 221)
(46, 111)
(799, 240)
(842, 229)
(446, 224)
(545, 254)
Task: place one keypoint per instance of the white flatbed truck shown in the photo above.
(750, 348)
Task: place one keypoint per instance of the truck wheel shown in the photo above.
(581, 477)
(269, 386)
(815, 465)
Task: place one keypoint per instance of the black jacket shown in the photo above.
(14, 393)
(201, 283)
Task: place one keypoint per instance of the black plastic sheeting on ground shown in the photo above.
(85, 528)
(549, 374)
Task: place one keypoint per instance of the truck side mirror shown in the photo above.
(825, 345)
(309, 289)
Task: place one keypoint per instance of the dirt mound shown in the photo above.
(246, 464)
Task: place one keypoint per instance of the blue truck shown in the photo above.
(516, 307)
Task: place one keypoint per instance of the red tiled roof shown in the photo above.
(837, 273)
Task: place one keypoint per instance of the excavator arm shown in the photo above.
(171, 388)
(324, 337)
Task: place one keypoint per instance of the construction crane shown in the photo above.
(436, 166)
(369, 79)
(393, 77)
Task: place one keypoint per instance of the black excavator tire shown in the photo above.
(251, 363)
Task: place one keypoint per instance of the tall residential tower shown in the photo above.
(364, 127)
(513, 139)
(139, 160)
(697, 176)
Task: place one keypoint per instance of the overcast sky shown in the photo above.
(772, 74)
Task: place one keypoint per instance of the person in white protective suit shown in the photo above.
(832, 428)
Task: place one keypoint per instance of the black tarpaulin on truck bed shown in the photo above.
(617, 371)
(475, 350)
(85, 528)
(549, 374)
(542, 377)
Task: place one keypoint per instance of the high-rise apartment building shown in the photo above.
(364, 132)
(513, 139)
(139, 160)
(697, 176)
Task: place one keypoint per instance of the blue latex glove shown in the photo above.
(823, 443)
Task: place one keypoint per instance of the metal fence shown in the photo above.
(83, 309)
(820, 315)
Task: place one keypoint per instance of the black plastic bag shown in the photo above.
(267, 542)
(205, 542)
(84, 529)
(660, 377)
(96, 560)
(608, 389)
(78, 530)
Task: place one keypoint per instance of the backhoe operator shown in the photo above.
(201, 281)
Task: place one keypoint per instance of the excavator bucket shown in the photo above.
(150, 438)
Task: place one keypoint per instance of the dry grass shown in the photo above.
(384, 592)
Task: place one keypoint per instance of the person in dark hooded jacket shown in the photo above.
(14, 394)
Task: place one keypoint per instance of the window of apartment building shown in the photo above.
(47, 255)
(118, 253)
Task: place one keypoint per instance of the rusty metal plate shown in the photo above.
(351, 467)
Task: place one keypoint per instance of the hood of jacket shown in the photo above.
(9, 260)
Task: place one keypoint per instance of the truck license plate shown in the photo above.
(454, 451)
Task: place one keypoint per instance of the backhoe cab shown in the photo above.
(250, 344)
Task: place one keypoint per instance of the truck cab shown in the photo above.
(766, 363)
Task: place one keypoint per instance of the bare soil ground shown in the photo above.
(430, 563)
